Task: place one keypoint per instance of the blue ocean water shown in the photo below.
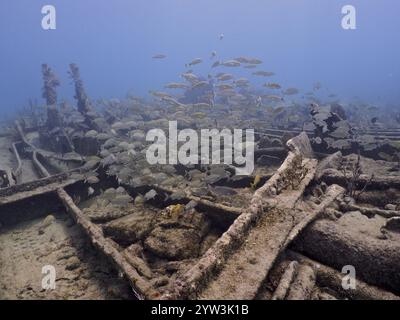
(113, 42)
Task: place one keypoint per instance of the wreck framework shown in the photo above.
(284, 233)
(252, 254)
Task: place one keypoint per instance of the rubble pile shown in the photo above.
(323, 195)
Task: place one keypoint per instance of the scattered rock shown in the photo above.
(301, 144)
(330, 162)
(72, 263)
(150, 195)
(173, 243)
(130, 228)
(393, 224)
(46, 223)
(139, 200)
(266, 160)
(138, 263)
(390, 207)
(160, 282)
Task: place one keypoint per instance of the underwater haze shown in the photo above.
(113, 42)
(199, 149)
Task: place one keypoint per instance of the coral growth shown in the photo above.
(80, 94)
(50, 94)
(353, 189)
(296, 172)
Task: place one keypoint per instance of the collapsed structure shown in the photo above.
(80, 191)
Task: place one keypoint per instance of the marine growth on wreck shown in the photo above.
(92, 190)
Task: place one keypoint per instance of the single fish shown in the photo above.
(246, 60)
(256, 182)
(224, 86)
(254, 61)
(189, 77)
(273, 97)
(175, 211)
(90, 191)
(250, 66)
(241, 82)
(172, 101)
(92, 180)
(278, 110)
(272, 85)
(194, 62)
(231, 63)
(199, 115)
(201, 105)
(215, 64)
(226, 93)
(264, 73)
(175, 85)
(159, 56)
(159, 94)
(225, 77)
(200, 84)
(291, 91)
